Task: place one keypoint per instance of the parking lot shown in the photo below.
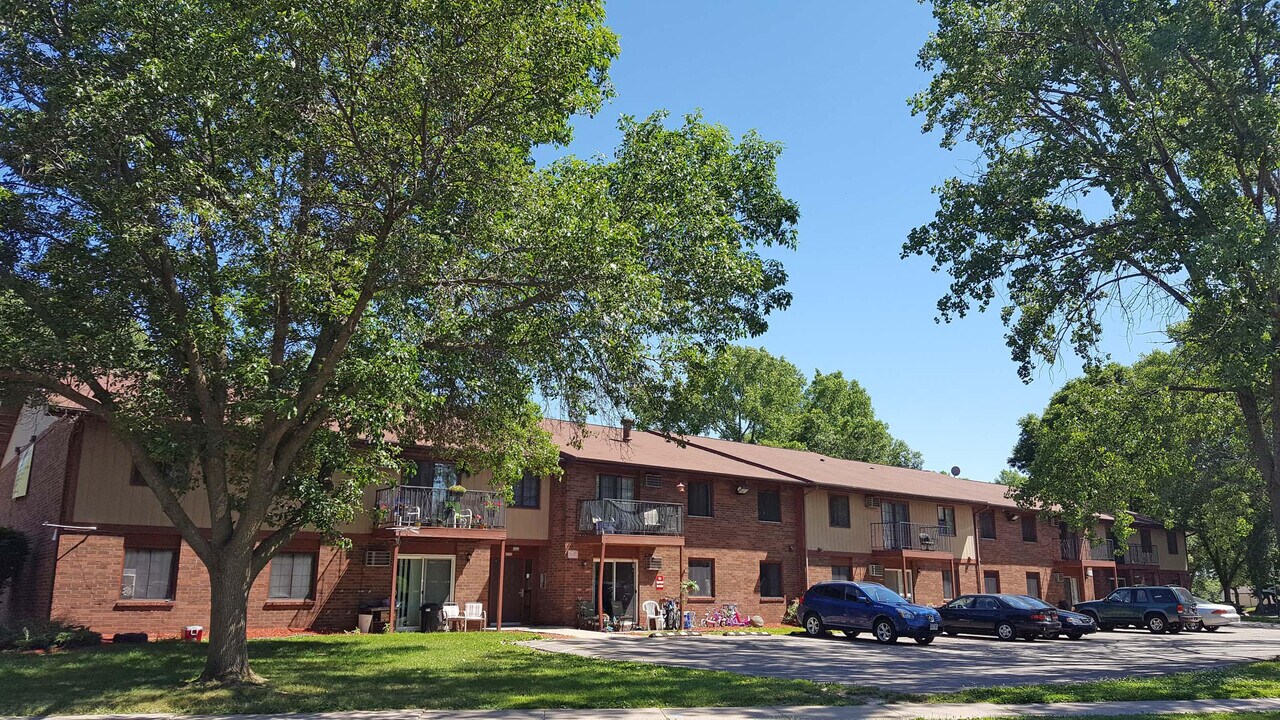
(950, 663)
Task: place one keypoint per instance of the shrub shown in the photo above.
(47, 635)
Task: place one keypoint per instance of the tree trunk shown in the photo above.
(229, 581)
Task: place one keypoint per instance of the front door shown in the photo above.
(517, 591)
(619, 588)
(894, 515)
(898, 581)
(421, 580)
(1072, 591)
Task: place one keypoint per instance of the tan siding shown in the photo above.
(821, 537)
(104, 495)
(1167, 561)
(532, 523)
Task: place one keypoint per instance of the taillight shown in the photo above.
(1038, 616)
(1180, 609)
(1219, 612)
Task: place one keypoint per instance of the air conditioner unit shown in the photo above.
(653, 480)
(874, 570)
(655, 562)
(127, 584)
(873, 501)
(377, 558)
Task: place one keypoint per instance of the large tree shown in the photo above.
(264, 242)
(1124, 437)
(1130, 164)
(747, 394)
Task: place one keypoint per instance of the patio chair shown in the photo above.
(474, 611)
(452, 616)
(653, 617)
(463, 518)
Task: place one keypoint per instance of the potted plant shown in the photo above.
(380, 513)
(687, 587)
(457, 489)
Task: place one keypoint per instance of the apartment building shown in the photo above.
(633, 515)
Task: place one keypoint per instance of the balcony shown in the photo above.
(1138, 555)
(646, 523)
(436, 512)
(912, 538)
(1076, 550)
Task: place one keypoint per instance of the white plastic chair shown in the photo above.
(451, 613)
(462, 518)
(653, 615)
(474, 611)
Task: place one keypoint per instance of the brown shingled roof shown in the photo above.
(602, 443)
(836, 472)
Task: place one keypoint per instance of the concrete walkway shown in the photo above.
(907, 711)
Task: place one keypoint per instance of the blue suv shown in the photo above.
(856, 607)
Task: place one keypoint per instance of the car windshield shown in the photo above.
(880, 593)
(1183, 595)
(1035, 602)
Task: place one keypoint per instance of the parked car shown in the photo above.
(1158, 609)
(1074, 625)
(1215, 615)
(855, 607)
(1008, 617)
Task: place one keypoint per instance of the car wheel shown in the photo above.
(813, 625)
(1005, 631)
(1210, 628)
(1157, 624)
(885, 632)
(1074, 636)
(925, 640)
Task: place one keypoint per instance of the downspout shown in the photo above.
(802, 536)
(977, 551)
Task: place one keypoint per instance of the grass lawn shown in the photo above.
(375, 672)
(1255, 680)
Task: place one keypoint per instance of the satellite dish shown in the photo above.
(955, 470)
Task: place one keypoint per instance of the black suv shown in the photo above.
(1157, 608)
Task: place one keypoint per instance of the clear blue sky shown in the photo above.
(830, 80)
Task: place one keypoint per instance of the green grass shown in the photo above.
(1255, 680)
(1263, 619)
(377, 672)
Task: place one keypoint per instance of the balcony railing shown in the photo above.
(411, 506)
(912, 536)
(1139, 555)
(1074, 549)
(607, 516)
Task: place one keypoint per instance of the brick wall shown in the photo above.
(30, 592)
(734, 538)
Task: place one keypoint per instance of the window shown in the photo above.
(291, 576)
(1171, 540)
(440, 475)
(148, 575)
(963, 603)
(987, 525)
(841, 572)
(838, 511)
(1028, 527)
(528, 492)
(1146, 540)
(615, 487)
(700, 499)
(986, 603)
(1140, 597)
(948, 585)
(703, 572)
(22, 476)
(135, 477)
(991, 581)
(946, 520)
(1033, 584)
(771, 578)
(769, 506)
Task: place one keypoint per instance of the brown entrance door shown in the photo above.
(517, 595)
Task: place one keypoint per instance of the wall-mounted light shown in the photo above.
(1011, 515)
(680, 486)
(742, 489)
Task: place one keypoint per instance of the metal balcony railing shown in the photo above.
(912, 536)
(408, 506)
(607, 516)
(1075, 549)
(1138, 555)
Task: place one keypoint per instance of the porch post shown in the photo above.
(600, 588)
(906, 579)
(502, 574)
(680, 588)
(395, 567)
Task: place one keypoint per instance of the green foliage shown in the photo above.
(1129, 165)
(746, 394)
(1127, 438)
(13, 554)
(47, 635)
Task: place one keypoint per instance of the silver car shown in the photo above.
(1215, 615)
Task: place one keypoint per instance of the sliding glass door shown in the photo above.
(421, 580)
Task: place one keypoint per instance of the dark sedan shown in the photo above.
(1006, 616)
(1074, 625)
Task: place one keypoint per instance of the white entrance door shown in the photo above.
(1073, 591)
(898, 582)
(421, 580)
(620, 588)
